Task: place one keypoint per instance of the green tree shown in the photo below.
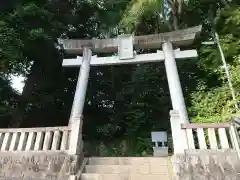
(167, 11)
(215, 104)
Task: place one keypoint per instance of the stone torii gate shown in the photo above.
(124, 45)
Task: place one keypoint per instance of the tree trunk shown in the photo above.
(175, 22)
(29, 86)
(175, 18)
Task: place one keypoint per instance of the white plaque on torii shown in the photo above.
(125, 47)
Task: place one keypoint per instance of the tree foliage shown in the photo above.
(215, 104)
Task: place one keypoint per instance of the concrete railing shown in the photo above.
(202, 136)
(45, 139)
(210, 136)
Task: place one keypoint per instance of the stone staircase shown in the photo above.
(127, 168)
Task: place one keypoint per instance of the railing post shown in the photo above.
(178, 134)
(235, 138)
(76, 143)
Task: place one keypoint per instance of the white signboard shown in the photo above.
(125, 47)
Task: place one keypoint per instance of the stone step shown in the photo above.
(127, 169)
(96, 176)
(159, 161)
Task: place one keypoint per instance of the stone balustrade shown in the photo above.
(192, 136)
(204, 151)
(44, 139)
(210, 136)
(50, 153)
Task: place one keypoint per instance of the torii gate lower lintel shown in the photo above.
(125, 44)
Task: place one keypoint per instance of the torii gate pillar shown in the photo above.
(174, 84)
(81, 88)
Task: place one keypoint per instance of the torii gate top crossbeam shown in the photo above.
(153, 41)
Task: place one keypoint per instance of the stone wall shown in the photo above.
(207, 165)
(37, 166)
